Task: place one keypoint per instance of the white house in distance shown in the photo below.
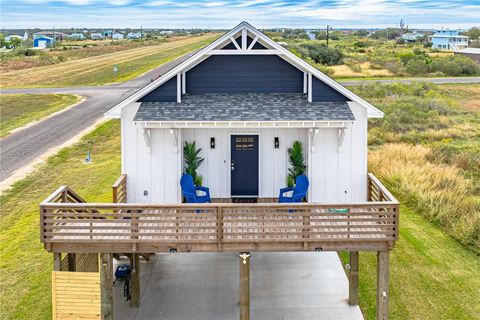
(275, 98)
(134, 35)
(412, 36)
(446, 39)
(77, 36)
(117, 36)
(96, 36)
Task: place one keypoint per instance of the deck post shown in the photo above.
(72, 264)
(244, 286)
(106, 285)
(135, 277)
(57, 261)
(353, 278)
(382, 284)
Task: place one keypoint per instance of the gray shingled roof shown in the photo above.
(244, 107)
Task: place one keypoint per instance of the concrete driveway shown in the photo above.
(204, 286)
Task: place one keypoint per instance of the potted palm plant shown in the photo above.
(297, 163)
(192, 161)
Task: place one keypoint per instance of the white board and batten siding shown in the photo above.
(156, 171)
(335, 176)
(340, 176)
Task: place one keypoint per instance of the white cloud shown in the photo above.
(119, 2)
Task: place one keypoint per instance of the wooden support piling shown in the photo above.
(57, 261)
(353, 278)
(245, 286)
(106, 285)
(135, 280)
(382, 284)
(72, 263)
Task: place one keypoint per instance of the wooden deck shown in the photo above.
(70, 225)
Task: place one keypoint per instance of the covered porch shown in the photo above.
(292, 285)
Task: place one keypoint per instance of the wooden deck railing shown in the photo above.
(119, 227)
(119, 190)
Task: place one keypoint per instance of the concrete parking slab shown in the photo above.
(205, 286)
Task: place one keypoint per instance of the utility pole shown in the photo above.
(54, 38)
(328, 27)
(141, 32)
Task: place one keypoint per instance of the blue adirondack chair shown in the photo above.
(299, 191)
(189, 190)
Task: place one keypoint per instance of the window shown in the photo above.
(244, 143)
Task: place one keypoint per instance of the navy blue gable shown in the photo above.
(167, 92)
(244, 74)
(322, 92)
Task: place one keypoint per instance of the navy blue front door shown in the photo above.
(244, 165)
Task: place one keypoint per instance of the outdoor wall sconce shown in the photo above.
(212, 143)
(277, 143)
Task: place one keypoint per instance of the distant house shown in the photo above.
(107, 33)
(412, 36)
(134, 35)
(12, 36)
(43, 42)
(96, 36)
(77, 36)
(446, 39)
(59, 36)
(117, 36)
(166, 32)
(472, 53)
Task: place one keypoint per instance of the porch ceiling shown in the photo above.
(255, 107)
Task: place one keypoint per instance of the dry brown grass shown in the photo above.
(440, 54)
(80, 68)
(344, 71)
(469, 96)
(439, 192)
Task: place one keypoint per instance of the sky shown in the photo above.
(219, 14)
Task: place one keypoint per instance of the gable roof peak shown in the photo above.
(273, 46)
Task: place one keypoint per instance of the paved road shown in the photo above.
(23, 147)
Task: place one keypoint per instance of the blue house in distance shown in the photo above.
(43, 42)
(448, 40)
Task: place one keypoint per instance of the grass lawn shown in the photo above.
(98, 70)
(25, 266)
(17, 110)
(431, 275)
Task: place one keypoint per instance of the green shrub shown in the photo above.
(417, 66)
(323, 54)
(361, 44)
(456, 66)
